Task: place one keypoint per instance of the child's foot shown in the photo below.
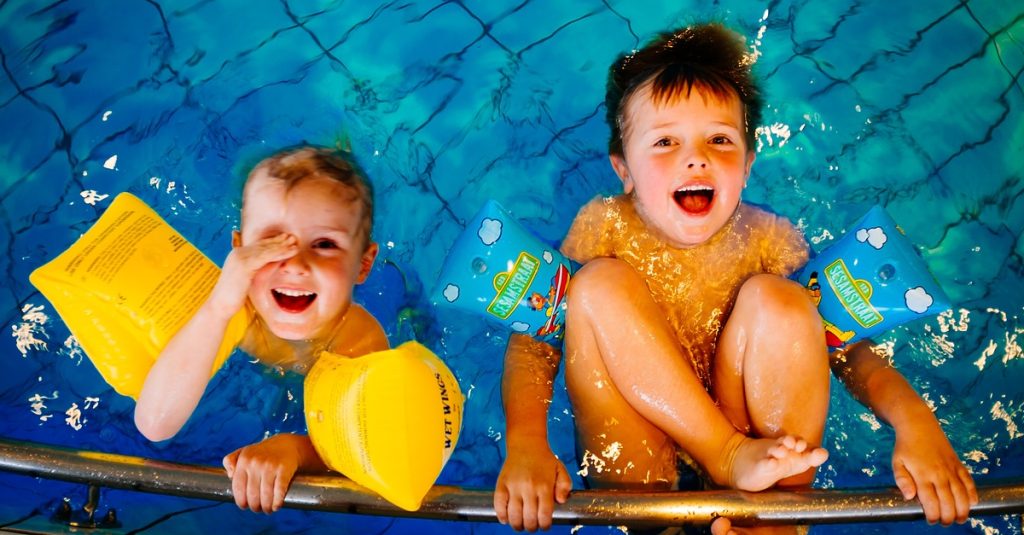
(759, 463)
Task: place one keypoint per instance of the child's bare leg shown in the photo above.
(771, 373)
(627, 377)
(617, 447)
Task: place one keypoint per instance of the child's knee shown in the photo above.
(781, 300)
(601, 279)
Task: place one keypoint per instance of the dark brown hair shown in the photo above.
(710, 57)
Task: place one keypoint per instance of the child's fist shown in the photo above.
(241, 266)
(261, 473)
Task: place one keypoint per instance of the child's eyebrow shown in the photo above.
(729, 124)
(321, 229)
(669, 124)
(265, 230)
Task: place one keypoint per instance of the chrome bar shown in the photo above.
(638, 509)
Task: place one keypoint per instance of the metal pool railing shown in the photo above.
(640, 509)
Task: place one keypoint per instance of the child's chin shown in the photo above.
(692, 237)
(291, 332)
(690, 233)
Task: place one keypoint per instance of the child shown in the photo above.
(683, 336)
(304, 243)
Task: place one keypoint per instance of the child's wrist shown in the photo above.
(912, 415)
(218, 311)
(526, 441)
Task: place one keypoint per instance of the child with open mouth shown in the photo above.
(304, 244)
(684, 340)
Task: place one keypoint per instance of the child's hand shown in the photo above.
(527, 488)
(926, 466)
(261, 473)
(242, 263)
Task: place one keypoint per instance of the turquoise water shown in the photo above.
(914, 105)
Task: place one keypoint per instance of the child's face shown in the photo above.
(686, 162)
(302, 298)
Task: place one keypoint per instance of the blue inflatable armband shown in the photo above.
(870, 281)
(499, 270)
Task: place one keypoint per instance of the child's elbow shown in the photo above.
(153, 428)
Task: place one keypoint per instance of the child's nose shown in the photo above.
(296, 264)
(696, 159)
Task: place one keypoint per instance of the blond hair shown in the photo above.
(295, 165)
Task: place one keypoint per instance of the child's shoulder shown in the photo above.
(780, 243)
(604, 203)
(756, 211)
(594, 229)
(359, 333)
(762, 218)
(604, 210)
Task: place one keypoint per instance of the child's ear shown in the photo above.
(751, 156)
(366, 262)
(619, 165)
(236, 238)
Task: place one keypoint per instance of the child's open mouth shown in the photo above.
(293, 300)
(694, 200)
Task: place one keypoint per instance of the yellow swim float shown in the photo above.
(388, 420)
(126, 287)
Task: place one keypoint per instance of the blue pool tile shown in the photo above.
(994, 15)
(961, 279)
(959, 126)
(199, 54)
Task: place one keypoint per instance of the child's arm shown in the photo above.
(532, 478)
(261, 473)
(178, 378)
(923, 461)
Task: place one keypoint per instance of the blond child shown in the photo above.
(683, 336)
(304, 243)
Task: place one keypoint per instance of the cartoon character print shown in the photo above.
(537, 301)
(552, 304)
(834, 336)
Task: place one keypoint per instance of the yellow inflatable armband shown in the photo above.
(388, 420)
(126, 286)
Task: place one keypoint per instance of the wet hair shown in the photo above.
(292, 166)
(709, 57)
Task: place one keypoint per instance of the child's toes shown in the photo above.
(779, 451)
(785, 446)
(818, 456)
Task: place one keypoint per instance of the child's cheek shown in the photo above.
(260, 280)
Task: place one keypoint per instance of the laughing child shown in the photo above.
(684, 338)
(304, 243)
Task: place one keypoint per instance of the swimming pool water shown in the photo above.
(914, 105)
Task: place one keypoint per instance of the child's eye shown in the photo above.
(663, 142)
(325, 244)
(720, 140)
